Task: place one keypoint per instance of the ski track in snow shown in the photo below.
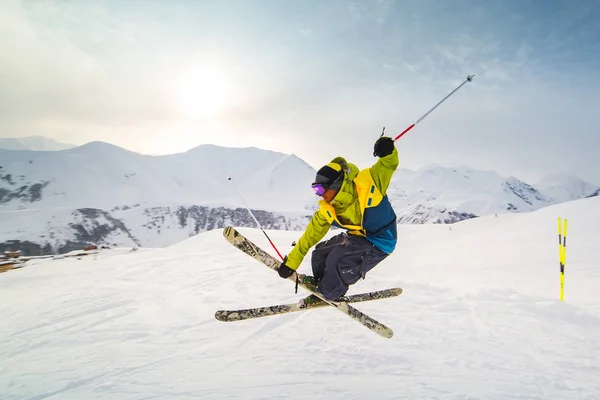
(479, 319)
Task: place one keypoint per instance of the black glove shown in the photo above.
(285, 271)
(384, 146)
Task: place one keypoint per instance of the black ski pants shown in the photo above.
(341, 261)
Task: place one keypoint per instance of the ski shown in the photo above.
(307, 303)
(245, 245)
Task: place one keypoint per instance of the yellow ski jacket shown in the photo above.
(347, 210)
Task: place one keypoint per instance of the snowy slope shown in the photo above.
(38, 143)
(479, 319)
(54, 231)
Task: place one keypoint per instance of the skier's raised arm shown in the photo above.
(387, 164)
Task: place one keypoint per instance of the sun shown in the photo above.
(203, 91)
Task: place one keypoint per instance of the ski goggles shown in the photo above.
(319, 189)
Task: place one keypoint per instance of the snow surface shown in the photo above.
(479, 319)
(37, 143)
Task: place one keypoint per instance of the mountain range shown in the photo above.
(37, 143)
(56, 201)
(436, 194)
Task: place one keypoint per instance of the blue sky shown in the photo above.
(314, 78)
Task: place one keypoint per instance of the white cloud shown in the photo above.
(58, 73)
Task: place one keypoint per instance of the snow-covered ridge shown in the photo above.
(60, 230)
(566, 187)
(436, 194)
(101, 175)
(138, 199)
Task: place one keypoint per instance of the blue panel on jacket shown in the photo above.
(380, 224)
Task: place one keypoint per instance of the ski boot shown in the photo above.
(309, 281)
(310, 301)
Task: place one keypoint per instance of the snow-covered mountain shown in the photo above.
(436, 194)
(37, 143)
(101, 175)
(55, 201)
(60, 230)
(100, 193)
(564, 187)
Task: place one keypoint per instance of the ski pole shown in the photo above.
(469, 79)
(254, 218)
(562, 256)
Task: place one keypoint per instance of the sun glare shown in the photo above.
(203, 92)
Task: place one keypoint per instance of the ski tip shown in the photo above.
(228, 231)
(223, 316)
(395, 291)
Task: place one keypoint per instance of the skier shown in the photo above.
(355, 201)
